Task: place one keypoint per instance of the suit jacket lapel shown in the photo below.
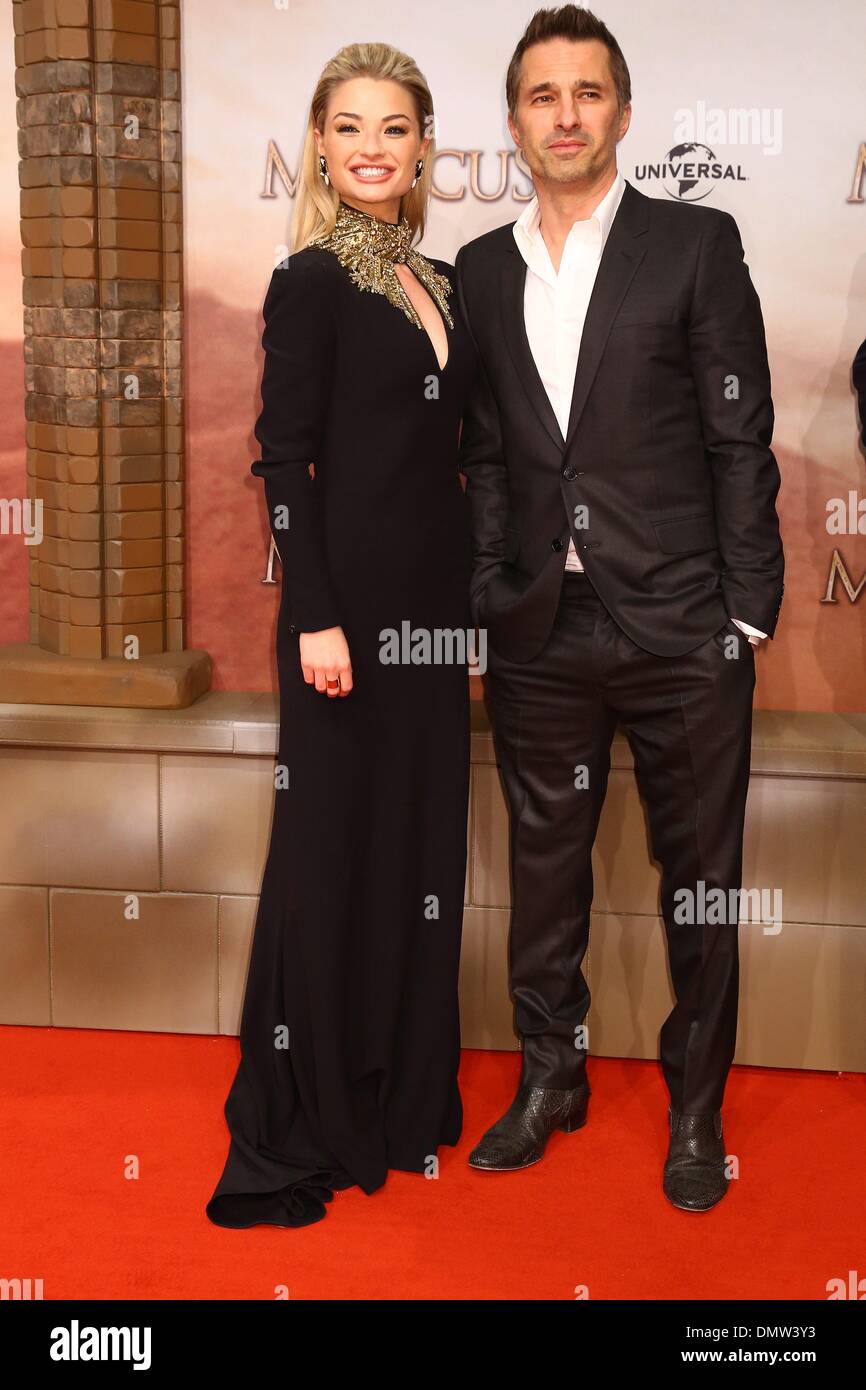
(622, 254)
(514, 328)
(620, 259)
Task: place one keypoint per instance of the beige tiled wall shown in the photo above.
(133, 846)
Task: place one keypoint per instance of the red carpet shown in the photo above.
(79, 1108)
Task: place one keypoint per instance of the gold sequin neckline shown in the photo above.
(370, 248)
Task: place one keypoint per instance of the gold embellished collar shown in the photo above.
(370, 248)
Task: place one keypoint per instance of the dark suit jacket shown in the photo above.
(669, 456)
(859, 376)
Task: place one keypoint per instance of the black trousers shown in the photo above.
(688, 720)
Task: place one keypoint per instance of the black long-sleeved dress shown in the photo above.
(350, 1032)
(859, 376)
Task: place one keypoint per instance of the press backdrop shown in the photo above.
(774, 93)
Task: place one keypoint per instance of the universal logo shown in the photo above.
(691, 170)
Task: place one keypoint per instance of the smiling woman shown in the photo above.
(362, 150)
(350, 1035)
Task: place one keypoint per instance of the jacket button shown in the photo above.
(292, 628)
(556, 545)
(569, 473)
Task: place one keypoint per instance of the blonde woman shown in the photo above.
(350, 1036)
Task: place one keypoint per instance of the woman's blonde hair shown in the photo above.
(316, 202)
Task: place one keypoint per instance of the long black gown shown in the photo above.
(350, 1035)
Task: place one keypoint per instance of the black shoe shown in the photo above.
(519, 1138)
(694, 1174)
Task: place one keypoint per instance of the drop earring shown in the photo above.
(323, 169)
(418, 167)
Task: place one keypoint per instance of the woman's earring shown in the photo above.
(323, 169)
(418, 167)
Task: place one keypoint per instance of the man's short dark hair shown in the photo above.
(568, 22)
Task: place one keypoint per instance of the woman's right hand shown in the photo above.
(325, 657)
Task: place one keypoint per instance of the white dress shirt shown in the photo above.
(555, 305)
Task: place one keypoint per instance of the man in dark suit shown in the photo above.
(627, 560)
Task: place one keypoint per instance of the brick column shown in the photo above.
(101, 220)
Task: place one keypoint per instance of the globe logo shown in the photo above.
(687, 172)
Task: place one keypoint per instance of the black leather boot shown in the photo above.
(694, 1174)
(519, 1138)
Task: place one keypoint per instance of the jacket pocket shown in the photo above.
(687, 533)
